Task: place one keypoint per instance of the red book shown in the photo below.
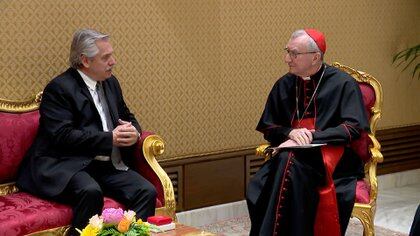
(159, 220)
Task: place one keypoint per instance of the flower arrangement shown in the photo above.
(115, 222)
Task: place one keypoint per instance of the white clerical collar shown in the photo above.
(309, 77)
(88, 81)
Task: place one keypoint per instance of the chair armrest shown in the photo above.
(371, 167)
(149, 147)
(261, 151)
(375, 150)
(8, 188)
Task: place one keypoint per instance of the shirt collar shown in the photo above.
(91, 84)
(317, 75)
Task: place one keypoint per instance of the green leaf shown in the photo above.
(415, 70)
(110, 231)
(409, 53)
(131, 232)
(408, 64)
(407, 57)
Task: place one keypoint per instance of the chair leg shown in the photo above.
(368, 227)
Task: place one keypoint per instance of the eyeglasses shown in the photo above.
(294, 54)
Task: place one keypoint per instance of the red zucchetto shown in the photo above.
(318, 37)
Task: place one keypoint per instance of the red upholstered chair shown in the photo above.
(367, 147)
(22, 213)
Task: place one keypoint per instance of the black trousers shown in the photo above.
(86, 190)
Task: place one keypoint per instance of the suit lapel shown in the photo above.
(85, 92)
(110, 97)
(83, 87)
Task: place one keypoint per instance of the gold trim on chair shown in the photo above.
(8, 188)
(366, 212)
(59, 231)
(154, 146)
(261, 151)
(9, 106)
(30, 104)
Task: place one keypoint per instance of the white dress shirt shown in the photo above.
(107, 126)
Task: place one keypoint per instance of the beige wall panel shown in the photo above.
(198, 72)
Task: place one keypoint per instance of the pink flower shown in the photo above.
(112, 215)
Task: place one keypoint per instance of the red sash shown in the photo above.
(327, 219)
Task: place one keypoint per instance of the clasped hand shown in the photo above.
(125, 134)
(301, 136)
(297, 137)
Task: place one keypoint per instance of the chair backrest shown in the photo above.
(368, 146)
(19, 122)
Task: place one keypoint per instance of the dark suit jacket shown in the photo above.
(70, 133)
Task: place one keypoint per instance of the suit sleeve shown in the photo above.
(59, 118)
(126, 113)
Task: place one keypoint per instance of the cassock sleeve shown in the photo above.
(352, 118)
(58, 118)
(273, 122)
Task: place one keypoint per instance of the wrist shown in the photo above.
(138, 135)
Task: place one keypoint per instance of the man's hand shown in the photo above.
(124, 134)
(301, 136)
(287, 143)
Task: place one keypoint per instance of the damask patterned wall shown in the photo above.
(198, 72)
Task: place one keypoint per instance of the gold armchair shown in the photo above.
(373, 97)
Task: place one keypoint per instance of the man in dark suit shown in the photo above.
(86, 138)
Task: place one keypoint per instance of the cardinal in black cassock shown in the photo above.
(308, 191)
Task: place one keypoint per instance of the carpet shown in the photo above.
(240, 227)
